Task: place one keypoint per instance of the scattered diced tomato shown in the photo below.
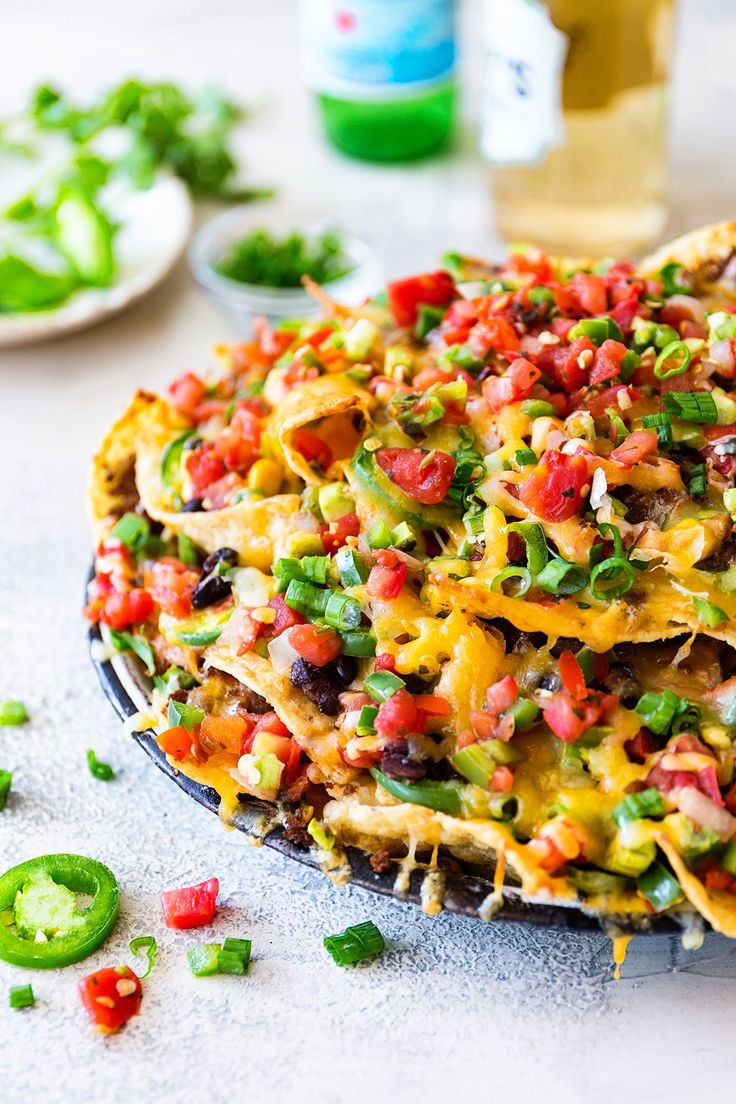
(315, 643)
(555, 489)
(111, 996)
(591, 292)
(607, 362)
(387, 577)
(250, 630)
(492, 333)
(572, 677)
(384, 661)
(192, 906)
(223, 734)
(405, 296)
(335, 533)
(187, 392)
(424, 476)
(203, 468)
(176, 742)
(285, 616)
(568, 718)
(502, 695)
(502, 780)
(171, 585)
(314, 450)
(636, 447)
(120, 609)
(271, 722)
(397, 716)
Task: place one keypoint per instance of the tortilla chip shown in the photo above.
(705, 254)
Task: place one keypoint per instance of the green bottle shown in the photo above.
(383, 72)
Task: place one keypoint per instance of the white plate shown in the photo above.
(154, 230)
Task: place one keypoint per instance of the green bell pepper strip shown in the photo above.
(75, 873)
(171, 456)
(444, 797)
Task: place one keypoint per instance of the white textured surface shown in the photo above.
(457, 1009)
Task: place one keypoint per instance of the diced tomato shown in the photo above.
(273, 343)
(285, 617)
(314, 450)
(271, 722)
(484, 725)
(598, 402)
(565, 365)
(642, 746)
(176, 742)
(111, 997)
(217, 734)
(432, 705)
(126, 608)
(424, 476)
(387, 577)
(716, 879)
(591, 292)
(636, 447)
(492, 333)
(191, 907)
(298, 372)
(238, 446)
(315, 643)
(397, 716)
(608, 361)
(549, 856)
(514, 386)
(502, 780)
(502, 695)
(335, 534)
(554, 490)
(203, 468)
(362, 760)
(425, 377)
(405, 296)
(171, 585)
(385, 662)
(730, 799)
(572, 677)
(250, 630)
(569, 719)
(187, 392)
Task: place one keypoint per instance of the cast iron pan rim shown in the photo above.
(464, 893)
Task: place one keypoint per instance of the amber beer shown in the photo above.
(574, 119)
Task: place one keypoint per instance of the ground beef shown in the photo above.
(397, 762)
(380, 861)
(655, 506)
(723, 558)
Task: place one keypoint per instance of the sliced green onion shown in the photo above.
(188, 553)
(659, 887)
(463, 356)
(612, 578)
(306, 598)
(351, 567)
(21, 996)
(382, 685)
(101, 771)
(286, 569)
(677, 352)
(342, 612)
(612, 532)
(203, 959)
(692, 406)
(597, 329)
(475, 764)
(355, 944)
(228, 963)
(315, 568)
(525, 713)
(537, 553)
(697, 482)
(366, 725)
(523, 457)
(474, 522)
(361, 644)
(521, 573)
(133, 530)
(658, 711)
(646, 803)
(130, 642)
(668, 275)
(182, 714)
(538, 408)
(13, 713)
(6, 780)
(149, 945)
(561, 577)
(711, 615)
(662, 423)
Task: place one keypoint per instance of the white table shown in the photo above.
(458, 1009)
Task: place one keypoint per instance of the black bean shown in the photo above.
(229, 555)
(192, 443)
(210, 589)
(316, 684)
(345, 668)
(192, 506)
(396, 761)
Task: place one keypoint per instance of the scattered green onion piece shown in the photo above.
(149, 945)
(382, 685)
(692, 406)
(6, 779)
(366, 725)
(133, 530)
(628, 365)
(658, 711)
(306, 598)
(561, 577)
(403, 536)
(321, 835)
(659, 887)
(356, 943)
(475, 764)
(203, 959)
(537, 553)
(361, 644)
(525, 713)
(676, 351)
(538, 408)
(523, 457)
(474, 522)
(229, 963)
(315, 568)
(188, 553)
(646, 803)
(103, 772)
(342, 612)
(612, 578)
(134, 642)
(521, 573)
(697, 483)
(612, 532)
(351, 567)
(662, 423)
(709, 614)
(21, 996)
(182, 714)
(668, 275)
(13, 713)
(444, 797)
(463, 356)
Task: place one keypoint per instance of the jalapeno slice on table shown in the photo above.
(41, 924)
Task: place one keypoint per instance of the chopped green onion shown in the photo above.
(188, 553)
(403, 536)
(306, 598)
(382, 685)
(561, 577)
(646, 803)
(612, 578)
(662, 423)
(103, 772)
(13, 713)
(148, 944)
(475, 764)
(315, 568)
(697, 482)
(659, 887)
(525, 456)
(692, 406)
(711, 615)
(537, 553)
(342, 612)
(133, 530)
(463, 356)
(134, 642)
(182, 714)
(6, 779)
(474, 521)
(311, 569)
(597, 329)
(525, 713)
(676, 352)
(659, 711)
(538, 408)
(361, 644)
(203, 959)
(351, 567)
(668, 275)
(521, 573)
(321, 835)
(366, 725)
(21, 996)
(355, 944)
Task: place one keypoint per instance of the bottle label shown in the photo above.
(521, 107)
(375, 49)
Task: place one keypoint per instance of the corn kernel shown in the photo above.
(266, 476)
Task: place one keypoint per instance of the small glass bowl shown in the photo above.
(244, 302)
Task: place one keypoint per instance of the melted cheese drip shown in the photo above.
(620, 946)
